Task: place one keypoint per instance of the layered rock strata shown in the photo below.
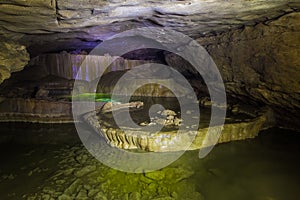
(38, 23)
(33, 110)
(259, 64)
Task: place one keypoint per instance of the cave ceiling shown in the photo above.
(54, 25)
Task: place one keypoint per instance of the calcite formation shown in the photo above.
(176, 140)
(167, 118)
(81, 66)
(110, 106)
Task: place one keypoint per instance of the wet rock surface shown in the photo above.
(32, 110)
(166, 118)
(109, 82)
(240, 124)
(80, 176)
(37, 134)
(44, 100)
(76, 65)
(68, 171)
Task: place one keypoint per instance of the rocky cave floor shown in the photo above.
(265, 168)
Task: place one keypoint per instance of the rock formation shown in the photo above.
(37, 23)
(255, 44)
(111, 106)
(235, 128)
(13, 58)
(259, 63)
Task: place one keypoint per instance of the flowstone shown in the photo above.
(241, 123)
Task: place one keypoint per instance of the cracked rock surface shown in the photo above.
(39, 22)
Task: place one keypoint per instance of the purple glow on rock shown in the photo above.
(87, 73)
(74, 70)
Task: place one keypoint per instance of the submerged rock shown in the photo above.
(166, 118)
(113, 106)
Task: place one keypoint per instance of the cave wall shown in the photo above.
(259, 64)
(254, 43)
(13, 58)
(261, 61)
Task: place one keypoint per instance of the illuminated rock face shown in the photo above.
(254, 43)
(13, 58)
(173, 139)
(82, 67)
(259, 64)
(51, 25)
(108, 82)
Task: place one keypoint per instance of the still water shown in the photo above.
(49, 162)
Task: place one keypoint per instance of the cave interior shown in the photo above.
(56, 53)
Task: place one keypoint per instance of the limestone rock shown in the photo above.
(13, 58)
(263, 63)
(258, 63)
(171, 140)
(135, 196)
(80, 66)
(255, 43)
(85, 170)
(165, 118)
(164, 198)
(97, 20)
(157, 175)
(114, 106)
(32, 110)
(108, 83)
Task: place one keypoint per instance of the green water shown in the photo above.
(49, 162)
(98, 97)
